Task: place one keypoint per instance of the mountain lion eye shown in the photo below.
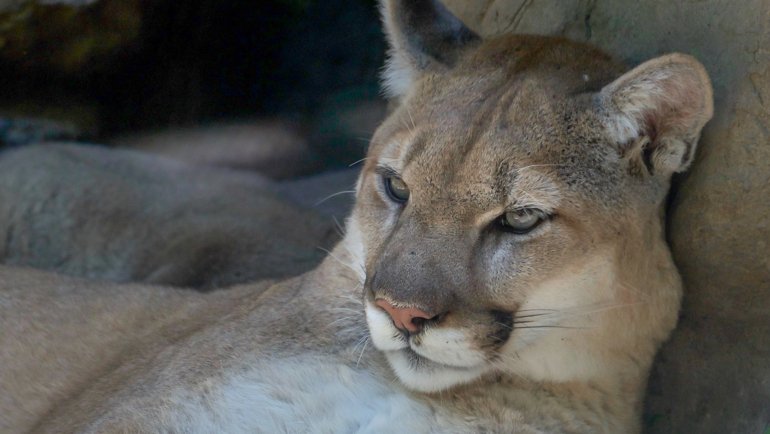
(521, 221)
(397, 189)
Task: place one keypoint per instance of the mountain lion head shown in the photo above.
(509, 216)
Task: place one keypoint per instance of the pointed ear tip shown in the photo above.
(683, 62)
(697, 69)
(694, 65)
(690, 68)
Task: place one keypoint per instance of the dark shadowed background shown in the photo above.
(99, 69)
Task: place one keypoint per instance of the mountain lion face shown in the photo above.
(510, 207)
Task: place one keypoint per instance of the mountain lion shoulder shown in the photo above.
(504, 268)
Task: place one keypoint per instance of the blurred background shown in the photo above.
(103, 71)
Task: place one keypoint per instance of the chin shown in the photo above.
(423, 375)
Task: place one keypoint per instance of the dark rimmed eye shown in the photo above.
(396, 189)
(521, 221)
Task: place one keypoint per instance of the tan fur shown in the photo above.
(589, 295)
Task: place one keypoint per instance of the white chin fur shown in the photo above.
(429, 377)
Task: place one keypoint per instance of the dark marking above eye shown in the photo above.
(386, 171)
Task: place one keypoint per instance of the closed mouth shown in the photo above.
(418, 362)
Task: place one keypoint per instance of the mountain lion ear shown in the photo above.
(656, 111)
(423, 35)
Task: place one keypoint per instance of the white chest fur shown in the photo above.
(303, 395)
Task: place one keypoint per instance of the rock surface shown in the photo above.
(713, 376)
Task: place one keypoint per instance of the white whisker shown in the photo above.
(539, 165)
(366, 342)
(348, 266)
(339, 193)
(358, 161)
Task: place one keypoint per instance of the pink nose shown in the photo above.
(405, 318)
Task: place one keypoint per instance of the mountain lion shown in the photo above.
(504, 268)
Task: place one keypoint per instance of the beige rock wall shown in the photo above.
(714, 374)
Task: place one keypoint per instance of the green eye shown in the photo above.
(521, 221)
(396, 189)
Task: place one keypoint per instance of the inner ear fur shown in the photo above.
(656, 111)
(423, 36)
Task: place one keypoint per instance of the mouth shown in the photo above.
(403, 346)
(419, 362)
(429, 364)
